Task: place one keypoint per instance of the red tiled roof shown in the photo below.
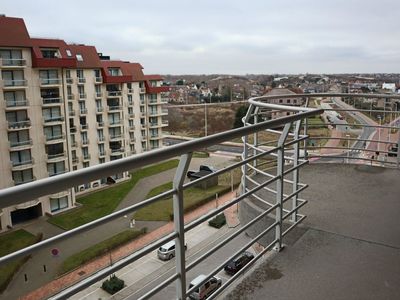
(132, 70)
(49, 43)
(13, 33)
(89, 55)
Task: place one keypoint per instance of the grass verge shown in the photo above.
(193, 198)
(99, 249)
(11, 242)
(101, 203)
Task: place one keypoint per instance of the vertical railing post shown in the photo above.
(296, 155)
(245, 150)
(255, 139)
(279, 186)
(305, 131)
(179, 224)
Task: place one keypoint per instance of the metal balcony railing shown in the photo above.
(17, 103)
(291, 150)
(12, 196)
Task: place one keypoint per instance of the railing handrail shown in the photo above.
(9, 196)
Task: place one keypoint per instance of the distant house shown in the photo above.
(283, 101)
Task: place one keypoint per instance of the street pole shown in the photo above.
(205, 117)
(348, 147)
(379, 133)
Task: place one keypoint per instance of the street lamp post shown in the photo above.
(205, 117)
(348, 146)
(379, 133)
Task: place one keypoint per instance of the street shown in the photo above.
(149, 271)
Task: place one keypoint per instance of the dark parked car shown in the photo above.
(235, 265)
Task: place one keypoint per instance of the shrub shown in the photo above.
(218, 221)
(113, 285)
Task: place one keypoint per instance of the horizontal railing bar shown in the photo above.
(229, 238)
(302, 217)
(227, 205)
(319, 125)
(85, 227)
(226, 169)
(22, 193)
(352, 139)
(159, 287)
(363, 110)
(119, 264)
(290, 212)
(288, 197)
(351, 157)
(243, 270)
(242, 249)
(350, 149)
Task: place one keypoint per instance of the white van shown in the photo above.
(206, 289)
(167, 251)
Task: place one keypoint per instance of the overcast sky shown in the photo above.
(230, 37)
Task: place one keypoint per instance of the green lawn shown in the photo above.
(101, 203)
(11, 242)
(162, 210)
(99, 249)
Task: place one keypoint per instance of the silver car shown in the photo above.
(167, 251)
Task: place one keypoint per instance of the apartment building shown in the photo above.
(65, 107)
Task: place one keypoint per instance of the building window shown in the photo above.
(53, 132)
(86, 164)
(79, 57)
(50, 53)
(113, 71)
(79, 73)
(58, 203)
(18, 138)
(22, 176)
(56, 168)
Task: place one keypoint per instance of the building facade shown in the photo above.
(65, 107)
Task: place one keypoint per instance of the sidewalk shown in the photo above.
(103, 261)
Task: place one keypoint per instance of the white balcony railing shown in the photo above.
(286, 206)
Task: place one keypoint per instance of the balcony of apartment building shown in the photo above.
(114, 76)
(56, 168)
(131, 127)
(51, 96)
(17, 120)
(114, 105)
(71, 112)
(113, 90)
(23, 176)
(52, 116)
(83, 110)
(13, 79)
(116, 148)
(84, 126)
(71, 97)
(15, 100)
(100, 124)
(19, 141)
(114, 119)
(21, 160)
(55, 152)
(11, 59)
(343, 178)
(116, 136)
(99, 109)
(54, 134)
(49, 78)
(98, 95)
(69, 80)
(81, 80)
